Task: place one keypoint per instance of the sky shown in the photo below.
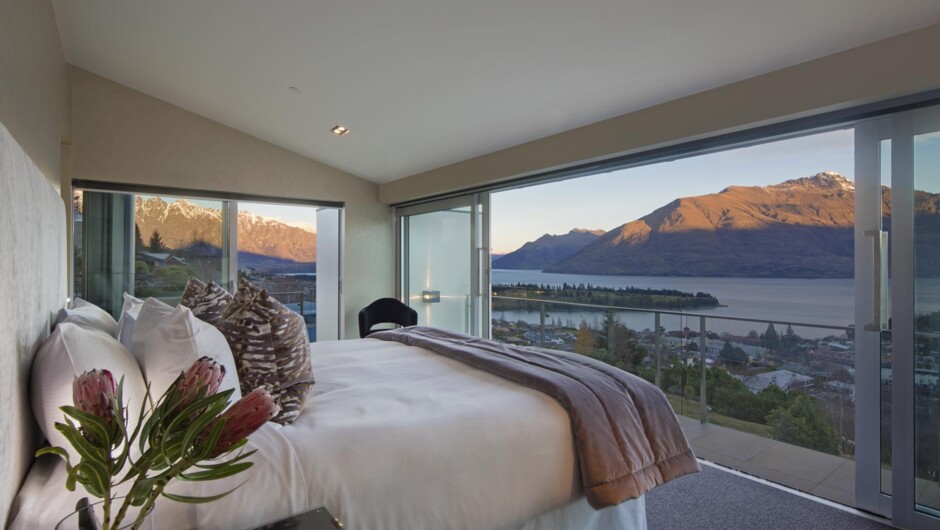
(611, 199)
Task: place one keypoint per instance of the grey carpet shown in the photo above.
(721, 500)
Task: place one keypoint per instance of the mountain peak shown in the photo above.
(597, 232)
(547, 250)
(827, 180)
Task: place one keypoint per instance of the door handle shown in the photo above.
(880, 317)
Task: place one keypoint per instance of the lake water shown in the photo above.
(822, 301)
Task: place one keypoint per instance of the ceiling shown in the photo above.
(427, 83)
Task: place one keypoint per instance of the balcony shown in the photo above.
(817, 367)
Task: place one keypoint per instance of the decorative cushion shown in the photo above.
(207, 300)
(88, 315)
(169, 340)
(125, 324)
(271, 348)
(72, 350)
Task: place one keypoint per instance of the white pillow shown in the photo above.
(166, 343)
(125, 325)
(72, 350)
(88, 315)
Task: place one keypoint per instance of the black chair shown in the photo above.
(385, 311)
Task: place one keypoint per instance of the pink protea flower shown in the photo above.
(246, 416)
(204, 375)
(93, 392)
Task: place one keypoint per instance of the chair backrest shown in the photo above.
(383, 311)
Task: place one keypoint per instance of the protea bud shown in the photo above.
(244, 417)
(201, 379)
(93, 392)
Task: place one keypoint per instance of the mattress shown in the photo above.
(392, 437)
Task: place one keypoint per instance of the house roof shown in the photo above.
(784, 379)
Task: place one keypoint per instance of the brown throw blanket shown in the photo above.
(627, 437)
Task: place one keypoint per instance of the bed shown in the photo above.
(393, 436)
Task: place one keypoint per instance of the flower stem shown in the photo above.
(168, 475)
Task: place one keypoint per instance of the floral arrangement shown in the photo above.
(186, 427)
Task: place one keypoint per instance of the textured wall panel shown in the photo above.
(33, 275)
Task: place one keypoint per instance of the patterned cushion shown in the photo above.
(207, 301)
(271, 348)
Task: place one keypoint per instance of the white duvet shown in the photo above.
(392, 437)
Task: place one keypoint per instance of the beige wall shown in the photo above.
(33, 82)
(885, 69)
(122, 135)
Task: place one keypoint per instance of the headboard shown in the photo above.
(33, 275)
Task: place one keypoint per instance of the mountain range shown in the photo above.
(801, 228)
(183, 223)
(547, 250)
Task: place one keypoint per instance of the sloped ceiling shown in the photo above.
(426, 83)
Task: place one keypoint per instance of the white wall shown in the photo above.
(125, 136)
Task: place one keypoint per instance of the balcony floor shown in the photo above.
(717, 499)
(828, 476)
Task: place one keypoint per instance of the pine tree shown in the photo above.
(770, 339)
(156, 243)
(138, 239)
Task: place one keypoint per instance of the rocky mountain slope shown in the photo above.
(547, 250)
(801, 228)
(182, 224)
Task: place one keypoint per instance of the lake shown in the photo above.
(822, 301)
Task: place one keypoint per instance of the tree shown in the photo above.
(801, 423)
(732, 355)
(156, 243)
(138, 240)
(770, 339)
(790, 342)
(620, 343)
(585, 342)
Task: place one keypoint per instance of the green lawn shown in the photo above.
(691, 409)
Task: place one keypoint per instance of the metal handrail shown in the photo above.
(301, 293)
(672, 312)
(659, 331)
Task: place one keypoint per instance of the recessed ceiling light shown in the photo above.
(339, 130)
(294, 90)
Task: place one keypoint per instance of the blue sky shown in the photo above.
(609, 200)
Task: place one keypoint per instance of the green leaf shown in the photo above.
(54, 451)
(97, 480)
(213, 474)
(141, 491)
(96, 426)
(189, 439)
(237, 458)
(211, 440)
(198, 500)
(79, 443)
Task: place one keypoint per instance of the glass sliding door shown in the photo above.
(925, 199)
(872, 315)
(445, 264)
(898, 316)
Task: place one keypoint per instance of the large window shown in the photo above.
(725, 278)
(782, 292)
(149, 245)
